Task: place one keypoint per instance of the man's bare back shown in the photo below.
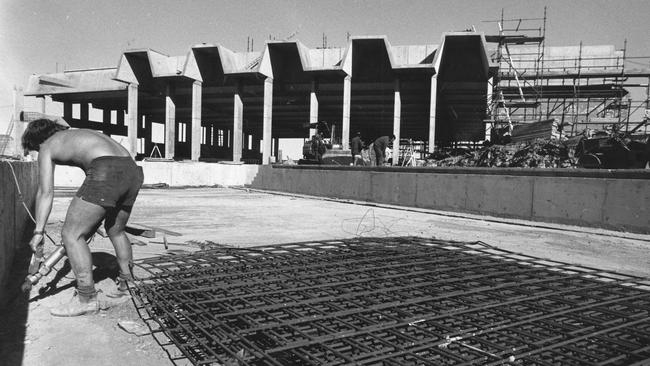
(108, 194)
(80, 147)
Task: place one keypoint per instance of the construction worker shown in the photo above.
(108, 193)
(356, 145)
(380, 146)
(316, 147)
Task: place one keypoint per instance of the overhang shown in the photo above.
(74, 81)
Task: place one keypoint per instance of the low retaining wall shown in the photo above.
(16, 227)
(612, 199)
(618, 200)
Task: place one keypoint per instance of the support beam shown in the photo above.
(313, 107)
(132, 110)
(267, 120)
(432, 113)
(238, 123)
(170, 123)
(347, 95)
(196, 120)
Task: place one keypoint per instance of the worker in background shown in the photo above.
(356, 145)
(380, 146)
(108, 193)
(318, 147)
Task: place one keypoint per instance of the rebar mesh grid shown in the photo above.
(391, 301)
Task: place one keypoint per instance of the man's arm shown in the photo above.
(44, 196)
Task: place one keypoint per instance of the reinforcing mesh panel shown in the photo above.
(390, 301)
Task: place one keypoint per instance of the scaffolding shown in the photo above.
(581, 88)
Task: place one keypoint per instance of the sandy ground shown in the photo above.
(242, 217)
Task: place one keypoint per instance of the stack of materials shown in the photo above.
(546, 129)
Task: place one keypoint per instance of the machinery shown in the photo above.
(45, 268)
(321, 148)
(614, 151)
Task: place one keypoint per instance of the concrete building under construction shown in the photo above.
(335, 264)
(215, 104)
(220, 104)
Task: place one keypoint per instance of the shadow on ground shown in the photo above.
(13, 317)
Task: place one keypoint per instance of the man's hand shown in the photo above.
(37, 244)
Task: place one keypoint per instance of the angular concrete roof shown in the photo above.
(138, 65)
(74, 81)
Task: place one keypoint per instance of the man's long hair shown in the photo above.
(38, 131)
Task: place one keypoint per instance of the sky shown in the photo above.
(46, 36)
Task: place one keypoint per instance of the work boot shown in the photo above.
(122, 290)
(76, 307)
(111, 299)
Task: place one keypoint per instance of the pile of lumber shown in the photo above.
(546, 129)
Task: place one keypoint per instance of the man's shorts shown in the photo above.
(112, 181)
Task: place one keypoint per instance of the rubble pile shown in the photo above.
(540, 153)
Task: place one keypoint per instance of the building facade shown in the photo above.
(217, 104)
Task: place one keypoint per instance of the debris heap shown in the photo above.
(540, 153)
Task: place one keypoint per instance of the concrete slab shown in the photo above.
(245, 217)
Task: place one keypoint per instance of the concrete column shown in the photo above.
(106, 120)
(397, 120)
(276, 149)
(238, 123)
(432, 113)
(84, 113)
(170, 123)
(148, 144)
(132, 110)
(347, 96)
(120, 117)
(313, 107)
(67, 111)
(19, 126)
(255, 144)
(196, 120)
(106, 116)
(267, 120)
(43, 104)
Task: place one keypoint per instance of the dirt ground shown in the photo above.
(241, 217)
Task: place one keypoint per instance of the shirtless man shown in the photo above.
(108, 193)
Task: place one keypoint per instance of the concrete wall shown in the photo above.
(15, 225)
(618, 200)
(175, 174)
